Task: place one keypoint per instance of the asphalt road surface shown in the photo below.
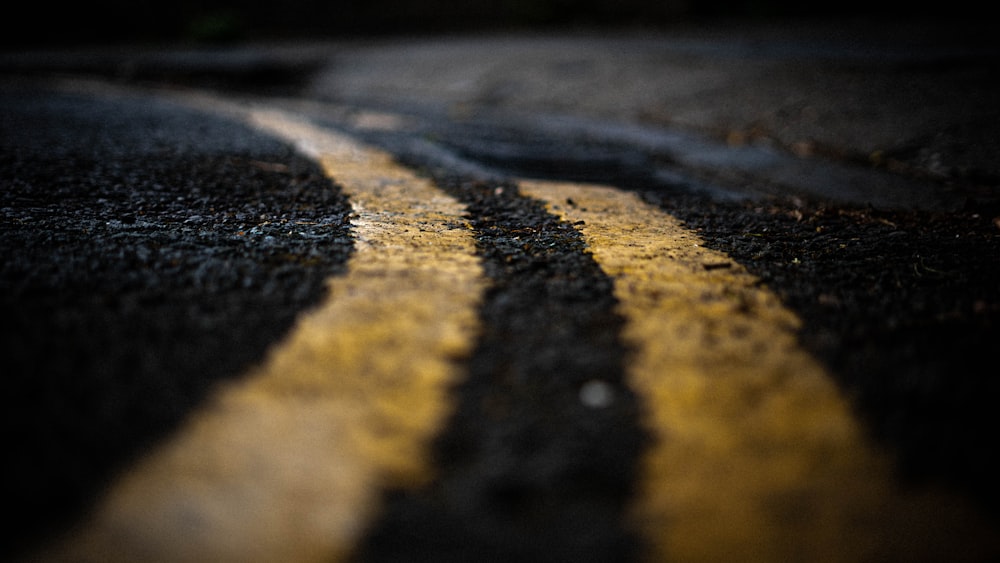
(240, 328)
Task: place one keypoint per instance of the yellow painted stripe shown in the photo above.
(758, 457)
(287, 463)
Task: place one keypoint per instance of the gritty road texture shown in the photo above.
(902, 306)
(147, 254)
(523, 457)
(202, 258)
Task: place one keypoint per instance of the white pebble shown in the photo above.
(597, 394)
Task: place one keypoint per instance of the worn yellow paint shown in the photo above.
(757, 454)
(287, 463)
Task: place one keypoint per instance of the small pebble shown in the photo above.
(597, 394)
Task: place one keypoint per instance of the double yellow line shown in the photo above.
(758, 457)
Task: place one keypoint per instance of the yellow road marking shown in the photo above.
(758, 455)
(287, 463)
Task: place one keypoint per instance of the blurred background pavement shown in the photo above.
(910, 90)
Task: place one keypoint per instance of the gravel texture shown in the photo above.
(148, 253)
(138, 270)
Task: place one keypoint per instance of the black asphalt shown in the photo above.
(526, 470)
(149, 250)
